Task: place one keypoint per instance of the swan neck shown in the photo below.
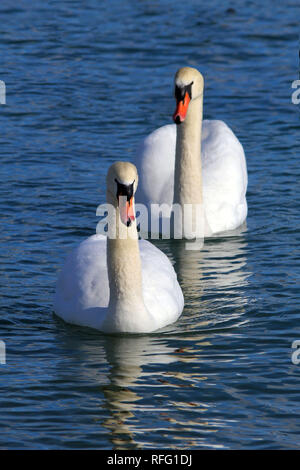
(188, 171)
(124, 265)
(124, 271)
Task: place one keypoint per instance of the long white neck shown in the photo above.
(188, 170)
(124, 265)
(126, 305)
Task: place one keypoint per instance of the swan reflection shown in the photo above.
(213, 280)
(127, 356)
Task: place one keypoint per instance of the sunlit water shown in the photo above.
(85, 82)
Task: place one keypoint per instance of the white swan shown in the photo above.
(119, 284)
(194, 162)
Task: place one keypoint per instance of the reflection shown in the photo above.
(130, 379)
(124, 376)
(127, 355)
(213, 280)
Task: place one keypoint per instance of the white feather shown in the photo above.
(82, 291)
(224, 174)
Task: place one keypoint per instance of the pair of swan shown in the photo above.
(122, 284)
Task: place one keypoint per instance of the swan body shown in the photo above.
(118, 285)
(195, 162)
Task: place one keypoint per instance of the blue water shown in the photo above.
(85, 81)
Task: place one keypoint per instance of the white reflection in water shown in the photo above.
(127, 355)
(213, 280)
(128, 383)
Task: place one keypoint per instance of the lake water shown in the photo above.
(84, 83)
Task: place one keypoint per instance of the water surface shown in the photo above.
(84, 84)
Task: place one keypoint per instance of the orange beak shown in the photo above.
(181, 109)
(126, 210)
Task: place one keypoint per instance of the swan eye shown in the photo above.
(124, 190)
(180, 91)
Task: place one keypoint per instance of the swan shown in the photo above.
(194, 162)
(119, 284)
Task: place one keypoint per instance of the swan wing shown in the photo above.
(155, 162)
(162, 294)
(224, 173)
(224, 177)
(82, 289)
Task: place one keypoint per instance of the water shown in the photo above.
(84, 85)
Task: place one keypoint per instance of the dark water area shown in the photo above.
(85, 82)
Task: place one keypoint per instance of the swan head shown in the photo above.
(121, 183)
(189, 84)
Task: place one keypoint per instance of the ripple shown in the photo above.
(83, 88)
